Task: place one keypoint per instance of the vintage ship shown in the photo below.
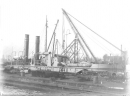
(66, 70)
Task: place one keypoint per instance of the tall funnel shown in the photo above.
(37, 47)
(26, 47)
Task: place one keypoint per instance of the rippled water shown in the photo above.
(15, 91)
(11, 90)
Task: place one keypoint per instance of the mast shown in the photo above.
(121, 50)
(63, 35)
(46, 36)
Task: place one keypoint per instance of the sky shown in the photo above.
(108, 18)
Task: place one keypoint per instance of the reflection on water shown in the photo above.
(117, 88)
(15, 91)
(11, 90)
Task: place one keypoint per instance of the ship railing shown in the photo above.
(20, 62)
(37, 62)
(57, 69)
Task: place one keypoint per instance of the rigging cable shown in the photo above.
(105, 48)
(59, 44)
(95, 32)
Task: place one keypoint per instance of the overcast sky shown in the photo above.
(109, 18)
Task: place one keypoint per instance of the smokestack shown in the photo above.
(26, 47)
(37, 47)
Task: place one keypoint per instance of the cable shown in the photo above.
(59, 44)
(95, 33)
(100, 45)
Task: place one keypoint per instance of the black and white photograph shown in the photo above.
(64, 48)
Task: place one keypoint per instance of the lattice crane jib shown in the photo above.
(80, 39)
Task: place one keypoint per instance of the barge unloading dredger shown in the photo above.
(65, 70)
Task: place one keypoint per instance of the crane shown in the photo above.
(76, 32)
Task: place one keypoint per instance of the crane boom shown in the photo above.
(53, 35)
(77, 32)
